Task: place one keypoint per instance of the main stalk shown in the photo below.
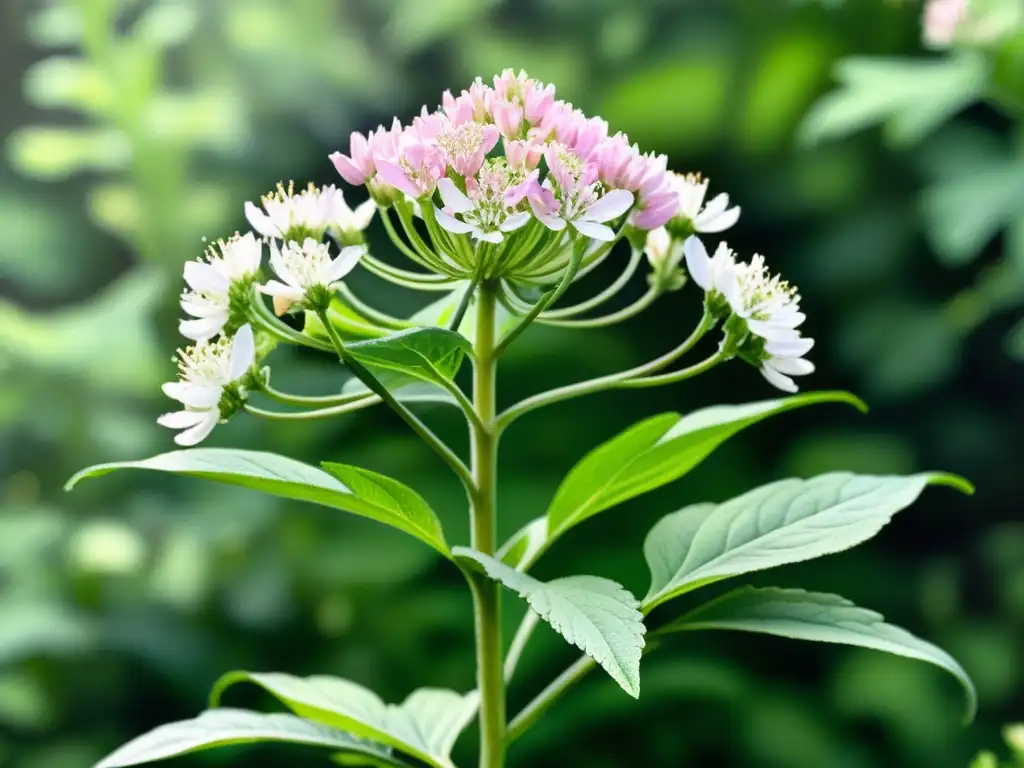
(486, 601)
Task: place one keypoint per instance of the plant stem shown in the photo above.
(543, 700)
(519, 641)
(421, 429)
(321, 413)
(486, 602)
(625, 313)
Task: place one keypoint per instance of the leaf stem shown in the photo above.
(320, 413)
(306, 401)
(543, 700)
(486, 598)
(602, 297)
(604, 382)
(519, 641)
(370, 313)
(464, 302)
(638, 306)
(419, 281)
(374, 385)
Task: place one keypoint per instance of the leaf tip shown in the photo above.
(950, 480)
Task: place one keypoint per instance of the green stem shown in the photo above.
(320, 413)
(638, 306)
(415, 256)
(543, 701)
(603, 296)
(370, 313)
(417, 281)
(421, 429)
(464, 302)
(672, 378)
(519, 641)
(266, 320)
(306, 401)
(604, 382)
(486, 602)
(547, 299)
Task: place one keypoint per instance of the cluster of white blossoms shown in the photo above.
(212, 373)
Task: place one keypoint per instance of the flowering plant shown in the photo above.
(503, 198)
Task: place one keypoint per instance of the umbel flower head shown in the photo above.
(767, 306)
(308, 274)
(218, 286)
(209, 385)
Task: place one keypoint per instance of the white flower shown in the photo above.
(293, 216)
(208, 299)
(484, 218)
(663, 251)
(307, 267)
(583, 210)
(207, 371)
(717, 275)
(785, 359)
(349, 221)
(716, 216)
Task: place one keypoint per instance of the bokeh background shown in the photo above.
(133, 129)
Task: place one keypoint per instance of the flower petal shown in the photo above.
(453, 197)
(204, 328)
(345, 262)
(363, 214)
(199, 432)
(487, 237)
(776, 379)
(192, 395)
(698, 263)
(396, 177)
(243, 352)
(794, 347)
(202, 277)
(717, 223)
(611, 206)
(593, 230)
(181, 419)
(450, 223)
(260, 221)
(793, 366)
(515, 221)
(275, 288)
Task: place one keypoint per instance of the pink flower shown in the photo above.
(356, 167)
(523, 154)
(465, 147)
(508, 116)
(416, 167)
(941, 20)
(537, 101)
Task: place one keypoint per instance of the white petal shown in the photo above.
(716, 205)
(515, 221)
(252, 252)
(729, 285)
(777, 379)
(243, 352)
(450, 223)
(198, 305)
(202, 277)
(259, 221)
(793, 366)
(204, 328)
(345, 262)
(275, 288)
(192, 395)
(554, 223)
(454, 197)
(770, 331)
(594, 230)
(794, 347)
(181, 419)
(698, 263)
(280, 267)
(718, 222)
(487, 237)
(199, 432)
(612, 205)
(363, 214)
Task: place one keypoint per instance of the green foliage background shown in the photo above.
(134, 129)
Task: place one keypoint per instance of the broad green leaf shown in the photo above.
(658, 451)
(376, 497)
(596, 615)
(433, 355)
(224, 727)
(818, 617)
(784, 522)
(912, 97)
(425, 726)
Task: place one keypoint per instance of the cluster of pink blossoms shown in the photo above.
(593, 177)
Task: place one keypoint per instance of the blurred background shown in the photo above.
(133, 129)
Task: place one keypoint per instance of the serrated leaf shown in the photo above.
(784, 522)
(818, 617)
(433, 355)
(913, 97)
(597, 615)
(376, 497)
(658, 451)
(425, 726)
(224, 727)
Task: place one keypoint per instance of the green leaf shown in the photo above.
(374, 496)
(224, 727)
(784, 522)
(404, 389)
(911, 96)
(596, 615)
(658, 451)
(822, 618)
(433, 355)
(525, 545)
(425, 726)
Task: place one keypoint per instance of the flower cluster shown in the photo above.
(974, 22)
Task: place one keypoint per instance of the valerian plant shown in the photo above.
(502, 198)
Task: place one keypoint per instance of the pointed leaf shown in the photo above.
(784, 522)
(433, 355)
(379, 498)
(659, 451)
(822, 618)
(425, 726)
(223, 727)
(596, 615)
